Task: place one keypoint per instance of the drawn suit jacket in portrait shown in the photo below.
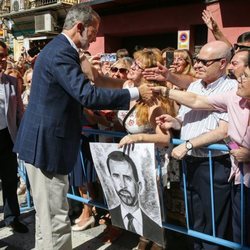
(49, 134)
(151, 230)
(13, 104)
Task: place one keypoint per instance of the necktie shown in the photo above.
(131, 226)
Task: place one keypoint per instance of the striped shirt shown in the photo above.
(198, 122)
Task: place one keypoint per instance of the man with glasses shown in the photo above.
(237, 104)
(11, 110)
(198, 129)
(243, 42)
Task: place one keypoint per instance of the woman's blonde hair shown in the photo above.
(148, 57)
(28, 71)
(186, 55)
(142, 108)
(124, 63)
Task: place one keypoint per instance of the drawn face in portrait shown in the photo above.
(125, 184)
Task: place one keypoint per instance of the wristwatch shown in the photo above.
(189, 145)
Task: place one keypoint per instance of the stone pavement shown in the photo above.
(88, 239)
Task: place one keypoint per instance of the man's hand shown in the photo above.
(209, 20)
(241, 155)
(179, 152)
(159, 73)
(167, 122)
(146, 92)
(87, 68)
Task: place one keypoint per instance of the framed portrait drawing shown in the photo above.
(129, 182)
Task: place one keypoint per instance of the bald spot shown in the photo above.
(216, 49)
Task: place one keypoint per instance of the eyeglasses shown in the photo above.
(120, 70)
(208, 62)
(238, 46)
(243, 77)
(136, 66)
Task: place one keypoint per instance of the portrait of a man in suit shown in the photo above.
(129, 213)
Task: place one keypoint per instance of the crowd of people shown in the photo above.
(154, 95)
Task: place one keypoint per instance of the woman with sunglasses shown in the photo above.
(121, 68)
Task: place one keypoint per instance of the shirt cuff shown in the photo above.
(134, 94)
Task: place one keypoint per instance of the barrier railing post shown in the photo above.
(211, 189)
(242, 206)
(184, 176)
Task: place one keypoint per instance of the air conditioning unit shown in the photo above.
(45, 23)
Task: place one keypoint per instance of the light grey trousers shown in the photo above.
(53, 229)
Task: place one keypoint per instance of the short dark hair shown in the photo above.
(244, 37)
(33, 51)
(120, 156)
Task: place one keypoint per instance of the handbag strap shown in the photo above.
(127, 115)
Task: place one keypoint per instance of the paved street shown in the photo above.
(88, 239)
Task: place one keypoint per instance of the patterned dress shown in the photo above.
(162, 154)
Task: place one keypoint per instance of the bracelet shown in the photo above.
(166, 92)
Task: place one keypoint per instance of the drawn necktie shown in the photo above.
(131, 226)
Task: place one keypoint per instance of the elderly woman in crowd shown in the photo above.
(120, 68)
(183, 62)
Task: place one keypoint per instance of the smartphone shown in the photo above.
(230, 143)
(33, 51)
(169, 58)
(108, 57)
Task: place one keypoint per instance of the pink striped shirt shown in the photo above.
(238, 110)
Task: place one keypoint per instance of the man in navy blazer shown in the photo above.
(49, 136)
(11, 111)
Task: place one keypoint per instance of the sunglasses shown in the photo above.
(208, 62)
(238, 46)
(120, 70)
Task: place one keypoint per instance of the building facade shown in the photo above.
(126, 23)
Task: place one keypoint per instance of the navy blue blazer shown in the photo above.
(49, 134)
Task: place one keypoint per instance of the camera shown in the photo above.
(108, 57)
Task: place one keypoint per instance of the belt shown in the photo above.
(191, 158)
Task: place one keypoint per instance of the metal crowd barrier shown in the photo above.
(183, 230)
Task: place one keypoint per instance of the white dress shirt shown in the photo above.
(3, 122)
(137, 221)
(197, 122)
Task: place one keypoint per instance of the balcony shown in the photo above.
(18, 8)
